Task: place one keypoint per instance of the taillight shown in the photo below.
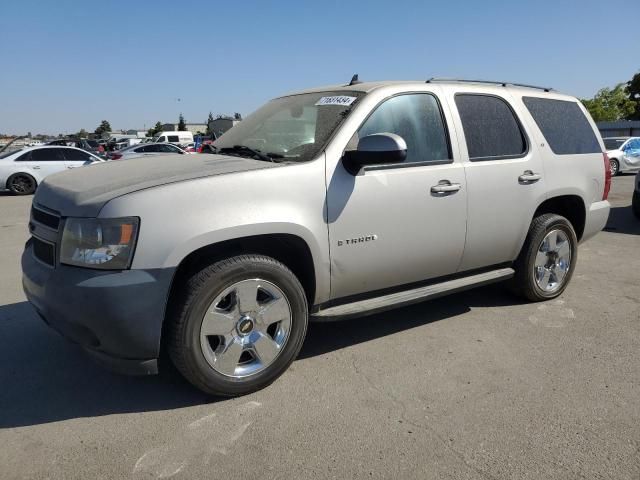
(607, 176)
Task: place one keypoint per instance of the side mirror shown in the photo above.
(376, 149)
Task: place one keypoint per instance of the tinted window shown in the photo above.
(173, 138)
(141, 149)
(162, 139)
(613, 143)
(168, 149)
(417, 118)
(47, 155)
(490, 127)
(563, 125)
(76, 155)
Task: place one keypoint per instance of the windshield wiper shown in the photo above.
(254, 153)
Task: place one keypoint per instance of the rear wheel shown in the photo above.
(21, 184)
(547, 260)
(614, 165)
(238, 325)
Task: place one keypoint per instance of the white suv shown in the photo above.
(328, 203)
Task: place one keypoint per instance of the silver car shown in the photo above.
(624, 154)
(146, 150)
(329, 203)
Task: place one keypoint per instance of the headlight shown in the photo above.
(105, 243)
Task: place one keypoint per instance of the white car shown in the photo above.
(22, 171)
(145, 150)
(624, 154)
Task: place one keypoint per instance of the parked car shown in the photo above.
(391, 193)
(145, 150)
(624, 154)
(180, 138)
(22, 171)
(635, 202)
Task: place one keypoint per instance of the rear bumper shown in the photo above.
(596, 220)
(115, 316)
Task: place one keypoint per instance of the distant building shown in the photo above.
(622, 128)
(191, 127)
(222, 124)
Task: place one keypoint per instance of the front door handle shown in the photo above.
(445, 186)
(529, 177)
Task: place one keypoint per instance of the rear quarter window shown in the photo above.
(563, 125)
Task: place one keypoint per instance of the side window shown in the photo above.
(418, 119)
(25, 157)
(490, 127)
(174, 138)
(632, 145)
(47, 155)
(162, 139)
(76, 155)
(168, 149)
(141, 149)
(563, 125)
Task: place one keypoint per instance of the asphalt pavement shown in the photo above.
(474, 385)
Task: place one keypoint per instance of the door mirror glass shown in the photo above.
(376, 149)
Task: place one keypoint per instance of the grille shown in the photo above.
(45, 218)
(43, 251)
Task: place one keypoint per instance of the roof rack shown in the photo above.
(491, 82)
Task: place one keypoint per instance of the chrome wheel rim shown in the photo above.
(245, 328)
(553, 261)
(22, 184)
(613, 166)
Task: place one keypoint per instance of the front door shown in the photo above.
(390, 225)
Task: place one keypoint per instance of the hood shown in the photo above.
(82, 192)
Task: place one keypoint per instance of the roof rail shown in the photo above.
(491, 82)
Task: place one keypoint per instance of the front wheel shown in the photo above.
(238, 325)
(547, 260)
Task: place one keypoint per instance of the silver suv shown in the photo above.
(328, 203)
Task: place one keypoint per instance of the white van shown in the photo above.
(174, 137)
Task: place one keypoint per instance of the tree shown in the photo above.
(153, 131)
(82, 133)
(237, 116)
(633, 87)
(182, 127)
(103, 127)
(209, 120)
(610, 105)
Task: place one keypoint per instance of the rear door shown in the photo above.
(505, 176)
(77, 158)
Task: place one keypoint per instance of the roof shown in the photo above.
(367, 87)
(619, 124)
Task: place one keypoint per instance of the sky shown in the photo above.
(67, 65)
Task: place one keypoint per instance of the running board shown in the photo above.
(409, 297)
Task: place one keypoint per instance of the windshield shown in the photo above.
(9, 153)
(294, 128)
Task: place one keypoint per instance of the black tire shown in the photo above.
(22, 184)
(635, 204)
(188, 310)
(614, 167)
(524, 283)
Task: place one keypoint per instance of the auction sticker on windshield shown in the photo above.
(337, 100)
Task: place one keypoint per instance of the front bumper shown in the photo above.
(116, 316)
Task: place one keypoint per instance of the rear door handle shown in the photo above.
(529, 177)
(445, 186)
